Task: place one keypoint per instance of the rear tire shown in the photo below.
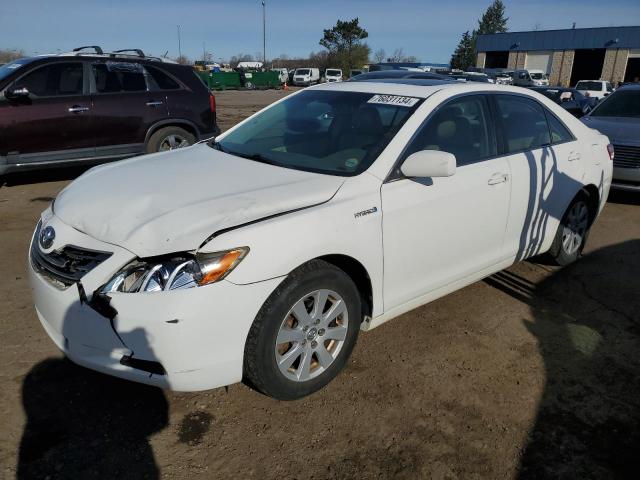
(304, 333)
(169, 138)
(572, 232)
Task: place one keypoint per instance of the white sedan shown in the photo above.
(262, 254)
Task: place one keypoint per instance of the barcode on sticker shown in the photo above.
(394, 100)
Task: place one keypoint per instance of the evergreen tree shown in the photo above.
(493, 20)
(344, 41)
(465, 53)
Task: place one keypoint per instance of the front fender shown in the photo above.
(349, 224)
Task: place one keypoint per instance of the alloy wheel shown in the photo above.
(575, 227)
(173, 141)
(311, 335)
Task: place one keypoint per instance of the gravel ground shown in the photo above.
(532, 373)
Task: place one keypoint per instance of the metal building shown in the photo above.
(605, 53)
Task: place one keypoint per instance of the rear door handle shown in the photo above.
(498, 178)
(78, 109)
(154, 104)
(573, 156)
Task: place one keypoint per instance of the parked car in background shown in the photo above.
(333, 75)
(618, 117)
(478, 77)
(306, 76)
(530, 78)
(93, 106)
(570, 99)
(594, 88)
(394, 74)
(262, 255)
(354, 72)
(499, 76)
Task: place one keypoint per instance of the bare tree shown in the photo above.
(183, 60)
(8, 55)
(380, 56)
(398, 55)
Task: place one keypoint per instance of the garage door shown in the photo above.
(539, 61)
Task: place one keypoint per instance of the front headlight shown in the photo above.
(173, 272)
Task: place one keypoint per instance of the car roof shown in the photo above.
(419, 88)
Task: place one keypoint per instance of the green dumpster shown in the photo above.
(221, 80)
(263, 79)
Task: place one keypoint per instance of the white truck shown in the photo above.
(594, 88)
(306, 76)
(530, 78)
(333, 75)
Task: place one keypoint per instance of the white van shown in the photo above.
(283, 74)
(530, 78)
(594, 88)
(306, 76)
(333, 75)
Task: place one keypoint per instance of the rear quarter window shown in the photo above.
(161, 80)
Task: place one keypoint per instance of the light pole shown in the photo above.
(179, 45)
(264, 34)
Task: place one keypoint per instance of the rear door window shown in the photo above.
(160, 80)
(115, 77)
(58, 79)
(523, 123)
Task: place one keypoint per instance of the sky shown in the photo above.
(429, 30)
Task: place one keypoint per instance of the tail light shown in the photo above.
(611, 152)
(212, 103)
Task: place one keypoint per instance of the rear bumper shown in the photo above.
(193, 339)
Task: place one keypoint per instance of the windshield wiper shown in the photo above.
(256, 157)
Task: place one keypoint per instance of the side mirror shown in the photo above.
(14, 93)
(429, 163)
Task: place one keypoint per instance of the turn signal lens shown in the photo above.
(216, 266)
(611, 152)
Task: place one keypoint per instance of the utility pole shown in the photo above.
(179, 45)
(264, 34)
(203, 53)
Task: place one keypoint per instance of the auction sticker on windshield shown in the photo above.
(394, 100)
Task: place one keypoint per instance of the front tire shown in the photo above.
(304, 333)
(572, 232)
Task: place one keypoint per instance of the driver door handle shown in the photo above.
(497, 178)
(154, 104)
(77, 109)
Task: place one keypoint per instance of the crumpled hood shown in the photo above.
(619, 129)
(173, 201)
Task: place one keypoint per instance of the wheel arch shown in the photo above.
(593, 201)
(173, 122)
(358, 273)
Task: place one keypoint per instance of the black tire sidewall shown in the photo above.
(557, 252)
(153, 145)
(268, 377)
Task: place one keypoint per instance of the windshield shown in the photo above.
(333, 132)
(621, 103)
(8, 68)
(538, 76)
(334, 73)
(302, 71)
(597, 86)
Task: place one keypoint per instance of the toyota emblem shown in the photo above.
(47, 236)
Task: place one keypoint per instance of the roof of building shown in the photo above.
(569, 39)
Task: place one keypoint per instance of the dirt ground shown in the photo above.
(532, 373)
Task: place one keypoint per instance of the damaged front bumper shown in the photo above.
(186, 340)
